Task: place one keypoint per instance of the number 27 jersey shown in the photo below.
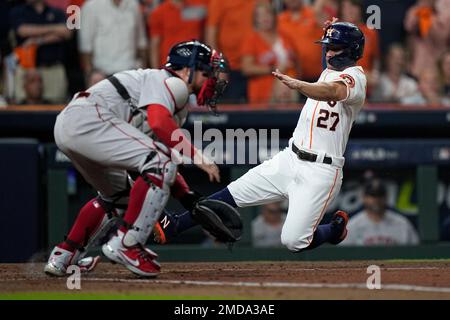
(325, 126)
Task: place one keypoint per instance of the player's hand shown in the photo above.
(212, 170)
(207, 165)
(330, 22)
(286, 80)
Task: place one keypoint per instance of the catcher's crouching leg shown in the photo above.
(148, 198)
(92, 227)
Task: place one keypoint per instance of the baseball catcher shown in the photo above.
(125, 124)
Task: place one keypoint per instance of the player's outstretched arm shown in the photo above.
(163, 126)
(320, 91)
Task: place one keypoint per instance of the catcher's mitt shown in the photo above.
(220, 219)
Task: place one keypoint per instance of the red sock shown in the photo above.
(87, 222)
(137, 198)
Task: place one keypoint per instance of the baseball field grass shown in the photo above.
(400, 279)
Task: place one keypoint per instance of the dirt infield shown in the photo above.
(244, 280)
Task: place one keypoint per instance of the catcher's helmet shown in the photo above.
(347, 36)
(199, 56)
(193, 54)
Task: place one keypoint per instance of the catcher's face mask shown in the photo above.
(214, 87)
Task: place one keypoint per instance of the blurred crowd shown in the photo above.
(407, 60)
(374, 224)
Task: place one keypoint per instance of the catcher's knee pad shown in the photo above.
(166, 171)
(116, 204)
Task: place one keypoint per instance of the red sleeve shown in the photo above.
(163, 126)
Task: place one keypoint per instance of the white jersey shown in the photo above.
(325, 126)
(145, 86)
(393, 229)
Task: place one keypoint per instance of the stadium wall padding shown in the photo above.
(21, 215)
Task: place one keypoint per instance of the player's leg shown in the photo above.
(309, 197)
(98, 142)
(262, 184)
(95, 219)
(148, 197)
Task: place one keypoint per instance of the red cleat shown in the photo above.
(137, 259)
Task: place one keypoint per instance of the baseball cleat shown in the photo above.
(137, 259)
(340, 220)
(61, 259)
(165, 228)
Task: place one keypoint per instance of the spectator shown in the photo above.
(78, 3)
(4, 28)
(444, 65)
(378, 225)
(429, 31)
(302, 25)
(40, 32)
(430, 91)
(227, 24)
(352, 11)
(264, 50)
(33, 88)
(95, 77)
(59, 4)
(394, 84)
(266, 228)
(112, 36)
(174, 21)
(3, 103)
(329, 8)
(445, 232)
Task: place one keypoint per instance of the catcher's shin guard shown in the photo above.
(151, 205)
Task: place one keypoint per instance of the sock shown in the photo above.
(86, 223)
(324, 233)
(225, 196)
(185, 220)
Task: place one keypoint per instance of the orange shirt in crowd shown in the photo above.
(174, 24)
(302, 33)
(233, 20)
(77, 2)
(371, 48)
(260, 88)
(59, 4)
